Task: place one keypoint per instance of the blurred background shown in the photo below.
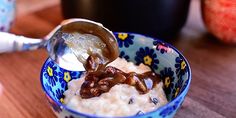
(203, 30)
(161, 19)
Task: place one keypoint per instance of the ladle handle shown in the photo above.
(10, 42)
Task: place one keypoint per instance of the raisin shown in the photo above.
(131, 101)
(139, 113)
(154, 100)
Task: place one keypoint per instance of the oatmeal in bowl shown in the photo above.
(121, 99)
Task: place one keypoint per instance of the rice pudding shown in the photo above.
(120, 100)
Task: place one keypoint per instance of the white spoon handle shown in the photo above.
(10, 42)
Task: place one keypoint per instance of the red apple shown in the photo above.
(220, 18)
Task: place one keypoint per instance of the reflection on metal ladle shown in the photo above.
(76, 39)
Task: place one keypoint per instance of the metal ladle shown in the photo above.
(56, 45)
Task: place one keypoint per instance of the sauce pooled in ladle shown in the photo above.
(88, 38)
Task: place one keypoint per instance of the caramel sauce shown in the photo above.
(101, 79)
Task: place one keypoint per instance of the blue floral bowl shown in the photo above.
(7, 13)
(161, 57)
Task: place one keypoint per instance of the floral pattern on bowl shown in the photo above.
(7, 13)
(165, 60)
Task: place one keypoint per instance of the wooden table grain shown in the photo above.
(212, 92)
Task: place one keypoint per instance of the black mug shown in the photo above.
(157, 18)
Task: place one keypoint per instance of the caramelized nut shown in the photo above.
(110, 70)
(94, 91)
(104, 88)
(119, 78)
(131, 79)
(141, 86)
(91, 84)
(105, 81)
(91, 64)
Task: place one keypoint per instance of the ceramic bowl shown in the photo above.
(161, 57)
(7, 13)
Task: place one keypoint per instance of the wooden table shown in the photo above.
(212, 93)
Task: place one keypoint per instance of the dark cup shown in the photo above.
(158, 18)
